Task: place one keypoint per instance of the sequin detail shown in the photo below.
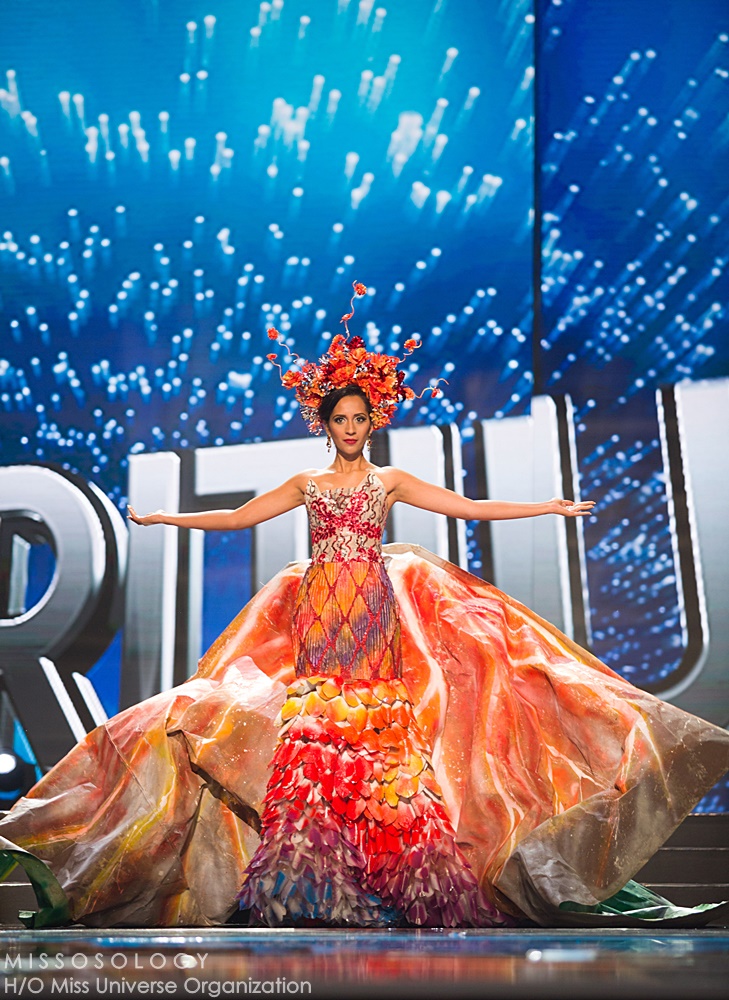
(354, 826)
(347, 523)
(345, 618)
(346, 622)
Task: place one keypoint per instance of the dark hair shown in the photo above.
(327, 405)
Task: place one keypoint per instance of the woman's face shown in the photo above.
(349, 426)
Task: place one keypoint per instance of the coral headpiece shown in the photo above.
(348, 362)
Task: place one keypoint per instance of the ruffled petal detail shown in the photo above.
(354, 828)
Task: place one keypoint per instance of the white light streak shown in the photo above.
(350, 164)
(379, 84)
(316, 92)
(365, 80)
(419, 194)
(441, 200)
(451, 56)
(333, 103)
(441, 140)
(364, 10)
(380, 15)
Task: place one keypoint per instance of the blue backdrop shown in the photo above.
(176, 176)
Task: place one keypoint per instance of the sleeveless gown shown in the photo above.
(354, 829)
(369, 747)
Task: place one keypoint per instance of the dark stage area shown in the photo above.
(395, 963)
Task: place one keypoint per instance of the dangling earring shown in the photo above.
(369, 442)
(329, 443)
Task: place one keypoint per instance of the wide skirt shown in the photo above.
(559, 778)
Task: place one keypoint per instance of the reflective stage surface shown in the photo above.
(332, 963)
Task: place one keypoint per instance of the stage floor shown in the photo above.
(370, 964)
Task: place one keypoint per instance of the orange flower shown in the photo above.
(348, 362)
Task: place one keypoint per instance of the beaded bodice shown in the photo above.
(347, 523)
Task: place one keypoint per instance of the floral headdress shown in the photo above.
(348, 362)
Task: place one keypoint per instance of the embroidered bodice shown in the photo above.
(347, 523)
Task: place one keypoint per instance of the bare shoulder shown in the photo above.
(389, 475)
(302, 479)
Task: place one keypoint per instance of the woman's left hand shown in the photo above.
(568, 508)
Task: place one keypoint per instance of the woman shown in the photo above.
(559, 777)
(349, 738)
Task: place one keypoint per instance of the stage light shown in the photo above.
(441, 141)
(451, 55)
(304, 22)
(364, 10)
(365, 81)
(391, 69)
(333, 103)
(264, 9)
(436, 117)
(16, 775)
(442, 198)
(304, 164)
(316, 92)
(488, 187)
(350, 164)
(376, 93)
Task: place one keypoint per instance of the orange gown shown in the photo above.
(442, 756)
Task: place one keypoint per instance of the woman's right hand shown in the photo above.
(158, 517)
(261, 508)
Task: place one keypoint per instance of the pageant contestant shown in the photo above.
(354, 828)
(554, 779)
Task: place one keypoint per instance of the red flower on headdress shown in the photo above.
(348, 362)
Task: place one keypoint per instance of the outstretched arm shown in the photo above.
(418, 493)
(260, 508)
